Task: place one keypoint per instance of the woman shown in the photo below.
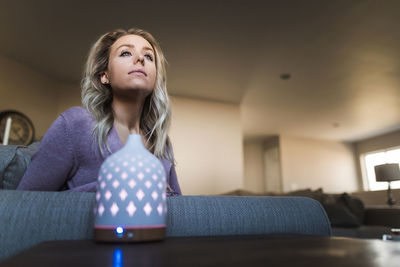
(123, 92)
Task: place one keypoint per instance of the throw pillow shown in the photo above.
(341, 216)
(355, 205)
(13, 164)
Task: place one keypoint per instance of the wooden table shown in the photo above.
(383, 215)
(215, 251)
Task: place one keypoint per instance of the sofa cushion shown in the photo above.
(341, 216)
(316, 194)
(355, 205)
(344, 210)
(14, 161)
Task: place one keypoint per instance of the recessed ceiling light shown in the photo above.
(285, 76)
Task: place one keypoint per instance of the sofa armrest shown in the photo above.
(384, 216)
(241, 215)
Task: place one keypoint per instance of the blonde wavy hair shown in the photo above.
(97, 97)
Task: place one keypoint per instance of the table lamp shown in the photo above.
(388, 173)
(131, 196)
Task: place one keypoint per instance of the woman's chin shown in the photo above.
(133, 91)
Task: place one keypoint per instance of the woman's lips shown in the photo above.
(139, 72)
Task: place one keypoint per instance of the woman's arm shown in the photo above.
(54, 161)
(173, 183)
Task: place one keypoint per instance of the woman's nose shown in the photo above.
(139, 58)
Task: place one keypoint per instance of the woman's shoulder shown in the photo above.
(77, 118)
(77, 115)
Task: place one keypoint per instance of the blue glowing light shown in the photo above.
(119, 230)
(118, 258)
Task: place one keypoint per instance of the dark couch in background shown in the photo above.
(347, 213)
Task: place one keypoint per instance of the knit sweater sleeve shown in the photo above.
(54, 162)
(173, 182)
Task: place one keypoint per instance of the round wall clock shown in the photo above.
(22, 131)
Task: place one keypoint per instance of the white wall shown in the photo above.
(310, 163)
(208, 146)
(28, 91)
(272, 166)
(253, 153)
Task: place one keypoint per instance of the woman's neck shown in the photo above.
(127, 114)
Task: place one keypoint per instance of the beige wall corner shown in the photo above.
(311, 163)
(28, 91)
(253, 154)
(69, 96)
(207, 141)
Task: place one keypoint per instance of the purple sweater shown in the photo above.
(68, 156)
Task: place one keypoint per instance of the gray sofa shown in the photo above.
(27, 217)
(347, 213)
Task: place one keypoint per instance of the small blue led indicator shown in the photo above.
(119, 230)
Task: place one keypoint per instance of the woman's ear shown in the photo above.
(104, 78)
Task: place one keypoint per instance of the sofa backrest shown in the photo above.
(29, 217)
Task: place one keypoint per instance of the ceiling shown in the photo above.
(343, 56)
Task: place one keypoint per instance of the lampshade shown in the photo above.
(387, 172)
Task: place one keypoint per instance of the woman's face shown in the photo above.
(131, 65)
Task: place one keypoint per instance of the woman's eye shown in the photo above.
(125, 53)
(149, 57)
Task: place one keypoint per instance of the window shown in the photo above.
(377, 158)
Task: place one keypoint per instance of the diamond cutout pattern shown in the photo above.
(131, 209)
(114, 209)
(154, 195)
(147, 184)
(123, 194)
(159, 209)
(115, 184)
(132, 183)
(101, 209)
(108, 195)
(120, 176)
(140, 194)
(147, 209)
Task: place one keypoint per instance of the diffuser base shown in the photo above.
(129, 235)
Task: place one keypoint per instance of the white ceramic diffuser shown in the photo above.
(131, 198)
